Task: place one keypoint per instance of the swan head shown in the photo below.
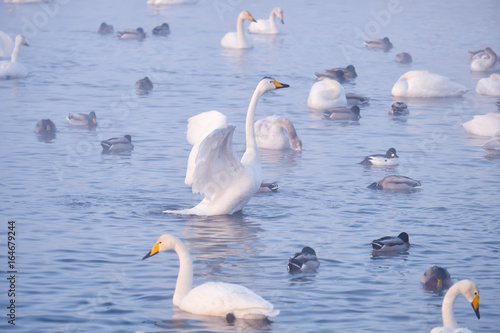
(296, 144)
(166, 242)
(268, 83)
(278, 12)
(20, 40)
(470, 291)
(245, 15)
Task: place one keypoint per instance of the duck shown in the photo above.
(105, 29)
(213, 170)
(470, 291)
(396, 183)
(13, 69)
(399, 109)
(483, 60)
(349, 71)
(161, 30)
(81, 119)
(334, 75)
(390, 158)
(343, 113)
(238, 40)
(268, 187)
(137, 34)
(219, 299)
(423, 84)
(46, 128)
(326, 94)
(382, 44)
(492, 146)
(303, 262)
(436, 278)
(115, 145)
(275, 132)
(268, 26)
(391, 244)
(144, 84)
(489, 86)
(404, 58)
(484, 125)
(353, 99)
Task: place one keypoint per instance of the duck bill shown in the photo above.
(153, 251)
(475, 306)
(279, 85)
(439, 285)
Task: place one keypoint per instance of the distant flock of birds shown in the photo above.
(212, 159)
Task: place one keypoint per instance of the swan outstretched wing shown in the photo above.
(215, 164)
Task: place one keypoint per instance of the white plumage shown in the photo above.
(326, 94)
(424, 84)
(13, 69)
(276, 132)
(268, 26)
(489, 86)
(238, 40)
(484, 125)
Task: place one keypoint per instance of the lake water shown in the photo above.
(84, 220)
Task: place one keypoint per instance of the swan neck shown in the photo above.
(272, 21)
(249, 125)
(15, 52)
(289, 128)
(185, 277)
(447, 308)
(239, 28)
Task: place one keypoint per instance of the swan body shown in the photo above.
(390, 158)
(484, 125)
(326, 94)
(137, 34)
(303, 262)
(425, 85)
(436, 278)
(391, 244)
(492, 146)
(382, 44)
(343, 113)
(489, 86)
(161, 30)
(264, 26)
(398, 109)
(470, 291)
(115, 145)
(144, 84)
(404, 58)
(212, 298)
(105, 29)
(483, 60)
(81, 119)
(13, 69)
(213, 170)
(396, 183)
(238, 40)
(276, 132)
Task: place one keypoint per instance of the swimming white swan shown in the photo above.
(326, 94)
(13, 69)
(489, 86)
(471, 292)
(213, 170)
(484, 125)
(264, 26)
(424, 84)
(276, 132)
(483, 60)
(212, 298)
(238, 40)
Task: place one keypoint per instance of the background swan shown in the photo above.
(470, 291)
(484, 125)
(13, 69)
(326, 94)
(238, 40)
(483, 60)
(264, 26)
(213, 298)
(489, 86)
(424, 84)
(276, 132)
(226, 183)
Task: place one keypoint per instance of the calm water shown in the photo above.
(84, 220)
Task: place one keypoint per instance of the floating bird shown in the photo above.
(105, 29)
(334, 75)
(264, 26)
(303, 262)
(116, 145)
(391, 244)
(404, 58)
(13, 69)
(137, 34)
(492, 146)
(268, 187)
(398, 109)
(161, 30)
(274, 132)
(396, 183)
(484, 125)
(45, 129)
(471, 292)
(436, 278)
(326, 94)
(238, 40)
(489, 86)
(389, 159)
(212, 298)
(343, 113)
(81, 119)
(353, 99)
(483, 60)
(383, 44)
(213, 170)
(144, 84)
(424, 84)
